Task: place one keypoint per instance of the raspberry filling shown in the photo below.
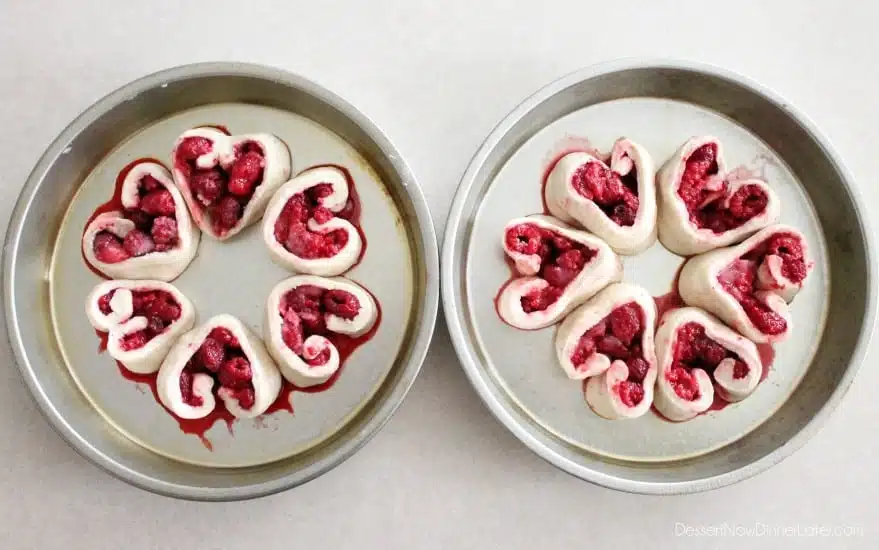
(159, 307)
(291, 227)
(155, 226)
(561, 260)
(223, 192)
(694, 350)
(615, 195)
(221, 357)
(304, 310)
(740, 278)
(704, 193)
(618, 336)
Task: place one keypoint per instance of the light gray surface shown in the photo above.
(436, 78)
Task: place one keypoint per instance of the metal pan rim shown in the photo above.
(419, 343)
(470, 363)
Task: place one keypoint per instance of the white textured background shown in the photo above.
(436, 76)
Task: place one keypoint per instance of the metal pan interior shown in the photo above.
(47, 283)
(659, 105)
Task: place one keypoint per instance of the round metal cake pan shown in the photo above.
(660, 104)
(116, 423)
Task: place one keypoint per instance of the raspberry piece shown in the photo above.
(149, 183)
(235, 373)
(683, 382)
(541, 299)
(133, 341)
(291, 331)
(304, 297)
(104, 302)
(313, 320)
(631, 393)
(141, 219)
(158, 203)
(245, 173)
(322, 215)
(342, 304)
(155, 326)
(740, 370)
(246, 397)
(212, 353)
(525, 238)
(186, 390)
(320, 359)
(318, 192)
(162, 306)
(225, 337)
(612, 347)
(638, 368)
(624, 213)
(748, 201)
(138, 243)
(108, 248)
(164, 231)
(193, 147)
(207, 185)
(226, 213)
(585, 348)
(625, 322)
(598, 330)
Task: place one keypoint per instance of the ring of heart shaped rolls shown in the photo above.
(152, 238)
(609, 341)
(692, 347)
(306, 228)
(749, 285)
(616, 202)
(560, 268)
(227, 181)
(221, 352)
(304, 314)
(702, 207)
(142, 319)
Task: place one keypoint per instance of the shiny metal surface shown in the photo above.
(116, 423)
(661, 104)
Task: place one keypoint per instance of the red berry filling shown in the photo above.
(695, 350)
(304, 311)
(221, 357)
(223, 192)
(615, 195)
(740, 278)
(704, 194)
(291, 227)
(155, 226)
(562, 259)
(159, 307)
(618, 336)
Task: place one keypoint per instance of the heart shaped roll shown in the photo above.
(609, 340)
(616, 202)
(227, 181)
(560, 268)
(151, 237)
(142, 320)
(749, 285)
(701, 207)
(222, 352)
(308, 224)
(307, 316)
(693, 346)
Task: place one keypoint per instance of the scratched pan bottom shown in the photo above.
(118, 422)
(660, 107)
